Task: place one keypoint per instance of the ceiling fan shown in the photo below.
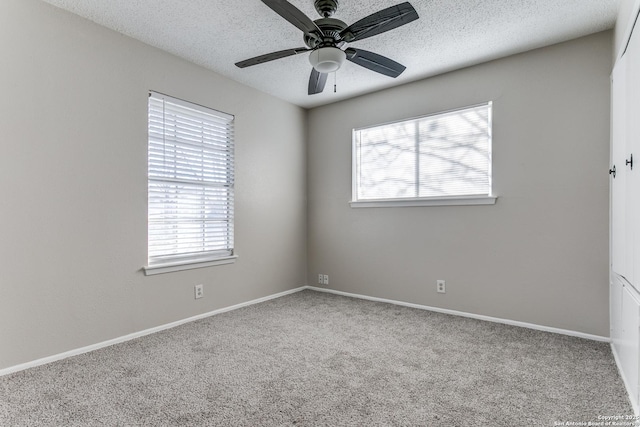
(326, 36)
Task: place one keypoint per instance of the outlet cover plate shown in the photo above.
(198, 291)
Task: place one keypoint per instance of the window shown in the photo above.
(438, 159)
(190, 193)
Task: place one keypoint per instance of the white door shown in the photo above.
(633, 149)
(618, 175)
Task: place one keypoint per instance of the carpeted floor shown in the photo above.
(316, 359)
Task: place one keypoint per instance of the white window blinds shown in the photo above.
(442, 155)
(191, 179)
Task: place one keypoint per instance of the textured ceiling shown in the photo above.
(450, 34)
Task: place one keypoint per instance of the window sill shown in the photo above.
(150, 270)
(434, 201)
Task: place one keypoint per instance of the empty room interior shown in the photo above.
(319, 213)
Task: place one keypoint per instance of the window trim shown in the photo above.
(462, 200)
(170, 267)
(425, 201)
(180, 262)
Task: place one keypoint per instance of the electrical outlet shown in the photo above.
(199, 291)
(325, 279)
(320, 279)
(441, 286)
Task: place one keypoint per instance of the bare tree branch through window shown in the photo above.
(441, 155)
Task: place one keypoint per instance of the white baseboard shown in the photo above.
(469, 315)
(139, 334)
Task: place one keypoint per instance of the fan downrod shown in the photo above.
(326, 8)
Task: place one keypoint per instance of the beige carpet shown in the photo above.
(315, 359)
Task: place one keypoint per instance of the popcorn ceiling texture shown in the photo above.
(315, 359)
(449, 35)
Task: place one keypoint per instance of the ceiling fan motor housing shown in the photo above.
(331, 29)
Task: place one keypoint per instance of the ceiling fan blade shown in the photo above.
(294, 15)
(270, 57)
(317, 81)
(379, 22)
(374, 62)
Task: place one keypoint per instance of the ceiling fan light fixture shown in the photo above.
(327, 59)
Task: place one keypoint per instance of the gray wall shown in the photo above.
(73, 186)
(540, 255)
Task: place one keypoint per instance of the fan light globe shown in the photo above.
(327, 59)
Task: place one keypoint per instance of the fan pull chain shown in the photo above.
(335, 82)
